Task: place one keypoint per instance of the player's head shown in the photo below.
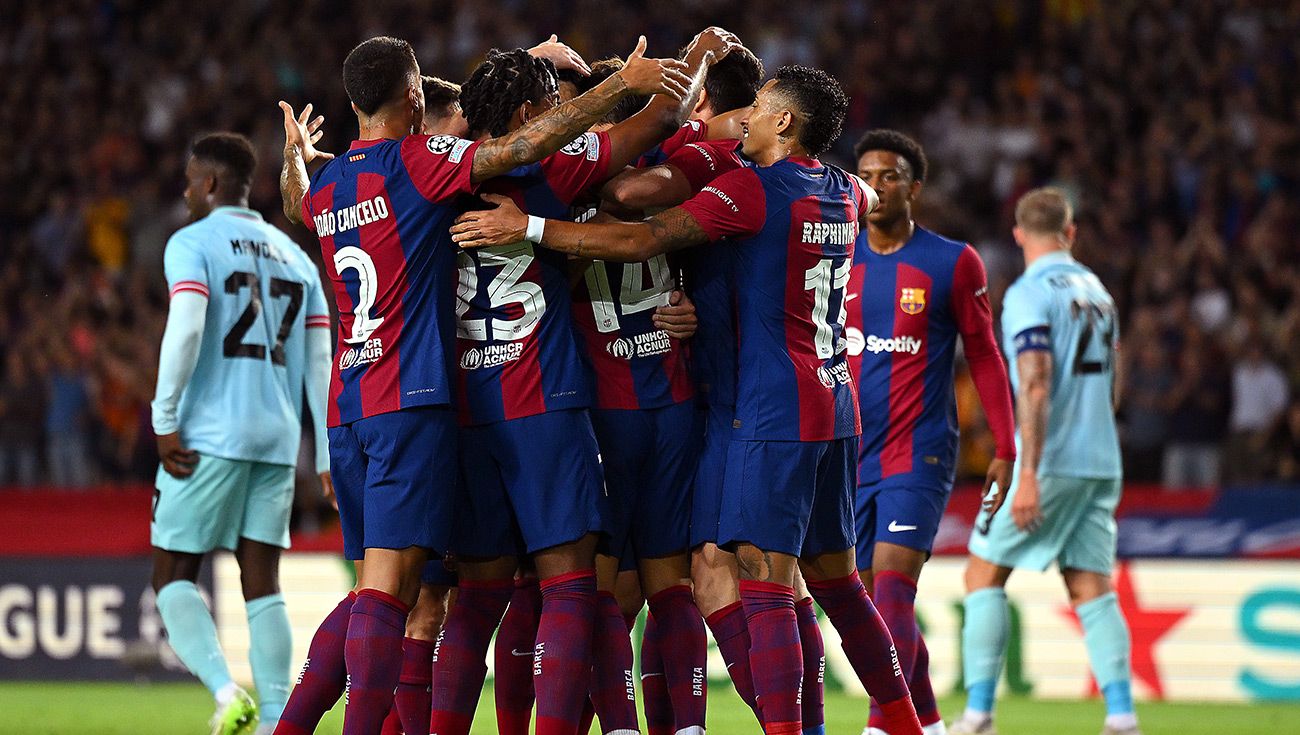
(1044, 220)
(442, 108)
(507, 90)
(381, 75)
(571, 84)
(895, 166)
(219, 171)
(730, 84)
(800, 111)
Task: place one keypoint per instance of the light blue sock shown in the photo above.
(270, 650)
(193, 634)
(984, 645)
(1106, 635)
(815, 730)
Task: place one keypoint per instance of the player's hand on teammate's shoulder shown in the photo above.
(996, 483)
(678, 318)
(1026, 510)
(177, 461)
(303, 133)
(560, 55)
(481, 228)
(327, 490)
(654, 76)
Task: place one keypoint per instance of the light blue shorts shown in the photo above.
(1078, 530)
(223, 501)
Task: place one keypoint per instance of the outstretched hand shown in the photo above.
(655, 76)
(561, 55)
(301, 132)
(481, 228)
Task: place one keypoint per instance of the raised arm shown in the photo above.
(665, 114)
(300, 138)
(552, 131)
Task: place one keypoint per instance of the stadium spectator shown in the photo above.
(1259, 398)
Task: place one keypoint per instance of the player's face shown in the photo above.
(200, 182)
(891, 176)
(759, 128)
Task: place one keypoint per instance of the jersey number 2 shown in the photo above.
(1094, 316)
(233, 345)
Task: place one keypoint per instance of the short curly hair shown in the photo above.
(898, 144)
(819, 99)
(377, 71)
(231, 151)
(504, 81)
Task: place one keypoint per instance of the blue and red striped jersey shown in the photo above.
(382, 213)
(635, 364)
(516, 351)
(907, 310)
(693, 131)
(794, 224)
(709, 280)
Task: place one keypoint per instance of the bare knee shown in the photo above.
(429, 613)
(1084, 586)
(981, 574)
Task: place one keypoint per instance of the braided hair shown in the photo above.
(503, 82)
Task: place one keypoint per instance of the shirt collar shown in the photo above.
(1060, 256)
(238, 211)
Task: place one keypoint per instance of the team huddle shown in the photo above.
(611, 336)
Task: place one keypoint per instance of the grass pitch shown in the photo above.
(45, 708)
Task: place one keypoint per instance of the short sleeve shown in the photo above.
(439, 165)
(1026, 321)
(734, 205)
(693, 131)
(701, 163)
(577, 167)
(185, 266)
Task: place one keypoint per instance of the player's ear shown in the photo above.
(785, 124)
(914, 190)
(1018, 235)
(701, 103)
(1070, 231)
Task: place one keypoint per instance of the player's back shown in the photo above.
(794, 378)
(244, 400)
(382, 212)
(1061, 305)
(516, 349)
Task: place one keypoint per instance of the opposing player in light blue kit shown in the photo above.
(247, 333)
(1062, 328)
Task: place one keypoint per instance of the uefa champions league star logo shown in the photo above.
(441, 144)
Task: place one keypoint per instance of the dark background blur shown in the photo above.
(1173, 125)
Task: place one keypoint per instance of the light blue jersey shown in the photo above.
(1059, 305)
(244, 399)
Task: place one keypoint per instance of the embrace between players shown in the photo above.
(526, 388)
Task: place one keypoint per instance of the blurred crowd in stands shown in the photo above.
(1173, 124)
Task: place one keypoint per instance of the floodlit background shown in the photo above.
(1173, 125)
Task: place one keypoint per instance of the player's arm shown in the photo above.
(664, 114)
(733, 206)
(300, 138)
(974, 317)
(317, 366)
(642, 189)
(546, 134)
(178, 355)
(1117, 379)
(1033, 403)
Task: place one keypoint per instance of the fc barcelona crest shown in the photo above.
(912, 301)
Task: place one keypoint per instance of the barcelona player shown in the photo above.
(1062, 326)
(792, 462)
(527, 442)
(381, 212)
(912, 294)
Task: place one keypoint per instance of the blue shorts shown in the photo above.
(395, 478)
(649, 458)
(535, 478)
(436, 573)
(903, 513)
(710, 469)
(790, 497)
